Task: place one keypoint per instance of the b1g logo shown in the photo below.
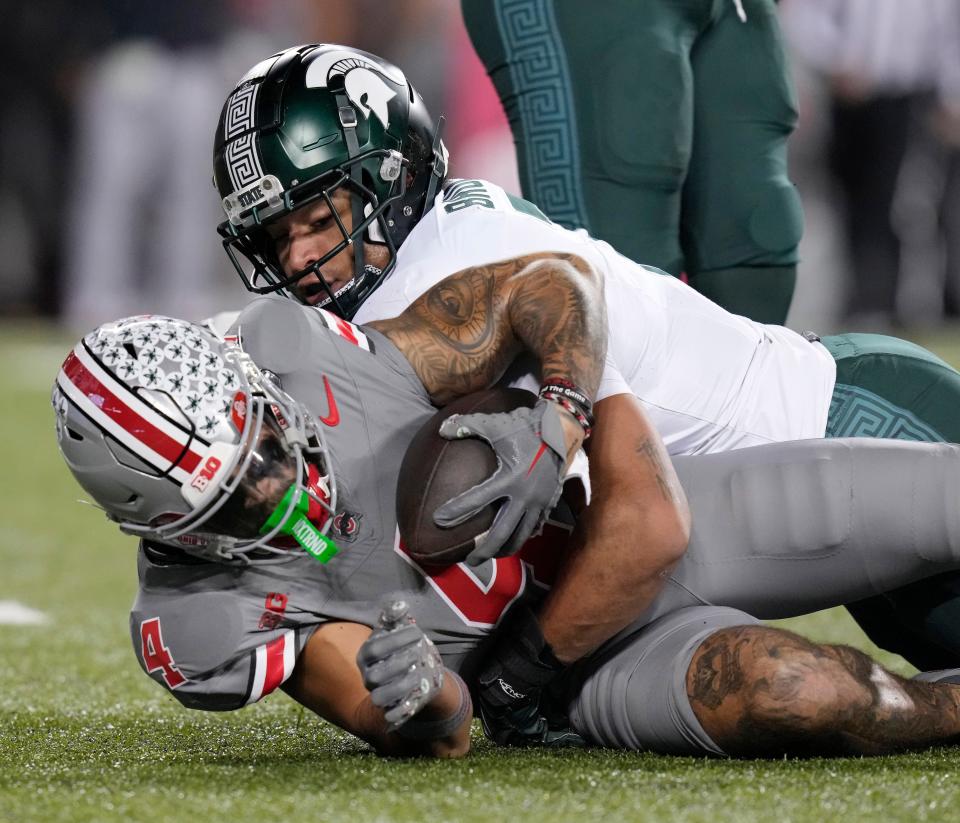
(206, 474)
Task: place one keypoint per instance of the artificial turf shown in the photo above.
(85, 736)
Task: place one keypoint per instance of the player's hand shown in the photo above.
(524, 722)
(531, 455)
(514, 708)
(400, 665)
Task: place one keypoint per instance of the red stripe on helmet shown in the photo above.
(114, 408)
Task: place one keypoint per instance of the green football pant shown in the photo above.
(659, 127)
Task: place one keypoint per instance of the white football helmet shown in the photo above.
(175, 433)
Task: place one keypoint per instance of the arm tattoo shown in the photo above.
(561, 319)
(666, 480)
(462, 334)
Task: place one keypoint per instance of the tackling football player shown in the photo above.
(334, 181)
(260, 478)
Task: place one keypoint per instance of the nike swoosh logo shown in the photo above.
(333, 418)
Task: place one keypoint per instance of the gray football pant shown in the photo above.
(778, 531)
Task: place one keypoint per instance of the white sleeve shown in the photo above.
(612, 381)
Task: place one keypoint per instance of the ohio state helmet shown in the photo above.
(304, 123)
(167, 427)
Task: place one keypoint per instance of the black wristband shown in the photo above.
(572, 399)
(564, 388)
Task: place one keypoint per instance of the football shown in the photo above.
(435, 470)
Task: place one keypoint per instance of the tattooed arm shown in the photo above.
(462, 334)
(628, 539)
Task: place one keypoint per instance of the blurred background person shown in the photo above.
(56, 55)
(43, 47)
(886, 65)
(141, 204)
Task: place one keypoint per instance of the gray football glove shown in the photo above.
(531, 452)
(400, 665)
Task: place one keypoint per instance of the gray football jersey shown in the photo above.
(778, 530)
(220, 637)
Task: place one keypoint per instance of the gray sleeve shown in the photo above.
(204, 655)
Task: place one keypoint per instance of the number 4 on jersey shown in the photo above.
(156, 655)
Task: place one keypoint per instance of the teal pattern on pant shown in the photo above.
(551, 151)
(856, 412)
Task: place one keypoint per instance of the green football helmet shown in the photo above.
(305, 123)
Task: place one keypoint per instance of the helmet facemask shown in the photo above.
(280, 442)
(370, 223)
(304, 124)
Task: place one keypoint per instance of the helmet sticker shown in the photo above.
(362, 79)
(127, 418)
(243, 163)
(240, 111)
(238, 410)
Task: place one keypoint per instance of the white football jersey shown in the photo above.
(709, 380)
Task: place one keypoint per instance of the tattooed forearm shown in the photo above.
(760, 691)
(667, 482)
(461, 334)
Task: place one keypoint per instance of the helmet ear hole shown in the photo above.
(73, 434)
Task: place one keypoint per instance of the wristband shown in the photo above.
(573, 400)
(565, 388)
(422, 731)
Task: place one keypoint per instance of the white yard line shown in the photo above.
(13, 613)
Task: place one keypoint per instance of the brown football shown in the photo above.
(435, 470)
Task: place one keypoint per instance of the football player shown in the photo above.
(259, 476)
(667, 128)
(334, 181)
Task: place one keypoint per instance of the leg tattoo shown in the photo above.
(766, 692)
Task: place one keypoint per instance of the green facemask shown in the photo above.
(295, 523)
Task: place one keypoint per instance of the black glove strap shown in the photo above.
(522, 662)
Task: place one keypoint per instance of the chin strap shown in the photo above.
(348, 120)
(438, 165)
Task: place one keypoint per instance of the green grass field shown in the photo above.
(85, 736)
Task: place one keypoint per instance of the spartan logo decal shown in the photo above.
(362, 78)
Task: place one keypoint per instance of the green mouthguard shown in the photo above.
(295, 523)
